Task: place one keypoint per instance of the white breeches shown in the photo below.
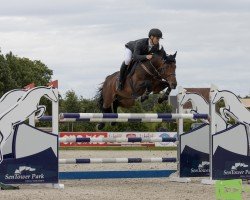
(128, 56)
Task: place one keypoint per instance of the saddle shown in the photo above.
(129, 73)
(131, 68)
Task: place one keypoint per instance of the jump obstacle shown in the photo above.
(227, 146)
(116, 160)
(135, 139)
(194, 157)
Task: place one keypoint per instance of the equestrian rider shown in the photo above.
(140, 50)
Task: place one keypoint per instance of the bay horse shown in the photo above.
(148, 76)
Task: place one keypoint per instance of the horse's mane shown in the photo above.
(166, 58)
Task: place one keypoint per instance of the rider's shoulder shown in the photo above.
(142, 40)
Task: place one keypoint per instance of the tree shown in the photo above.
(16, 72)
(71, 103)
(6, 80)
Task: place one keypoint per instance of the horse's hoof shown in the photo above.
(113, 123)
(100, 126)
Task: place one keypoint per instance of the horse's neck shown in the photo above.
(155, 63)
(152, 67)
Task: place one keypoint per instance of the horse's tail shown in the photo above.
(99, 97)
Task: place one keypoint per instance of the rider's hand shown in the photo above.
(149, 57)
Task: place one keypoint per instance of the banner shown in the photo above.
(117, 135)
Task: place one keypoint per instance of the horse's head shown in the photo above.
(166, 67)
(51, 94)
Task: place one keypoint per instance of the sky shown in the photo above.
(82, 41)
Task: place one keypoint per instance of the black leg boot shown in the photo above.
(122, 77)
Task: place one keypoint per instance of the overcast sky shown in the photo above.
(82, 41)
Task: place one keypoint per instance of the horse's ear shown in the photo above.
(175, 54)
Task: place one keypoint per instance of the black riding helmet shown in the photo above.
(155, 32)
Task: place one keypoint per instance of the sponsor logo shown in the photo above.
(204, 164)
(25, 173)
(203, 167)
(238, 169)
(23, 169)
(239, 165)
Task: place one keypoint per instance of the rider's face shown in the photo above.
(155, 40)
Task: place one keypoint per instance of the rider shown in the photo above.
(140, 50)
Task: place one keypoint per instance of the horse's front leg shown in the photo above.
(41, 109)
(159, 86)
(165, 96)
(148, 89)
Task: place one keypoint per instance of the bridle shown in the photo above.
(157, 73)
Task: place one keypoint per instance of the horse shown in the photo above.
(145, 77)
(26, 106)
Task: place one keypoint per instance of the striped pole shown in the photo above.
(123, 117)
(135, 139)
(116, 160)
(115, 120)
(44, 119)
(132, 116)
(49, 118)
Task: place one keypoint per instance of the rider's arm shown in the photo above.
(137, 52)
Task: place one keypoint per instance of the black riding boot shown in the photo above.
(123, 70)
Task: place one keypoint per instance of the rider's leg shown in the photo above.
(122, 75)
(124, 66)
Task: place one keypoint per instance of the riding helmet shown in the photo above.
(155, 32)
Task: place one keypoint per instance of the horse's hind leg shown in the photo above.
(107, 97)
(101, 125)
(115, 107)
(148, 87)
